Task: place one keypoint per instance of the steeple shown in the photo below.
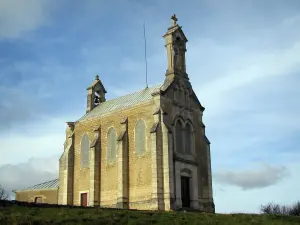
(96, 94)
(176, 47)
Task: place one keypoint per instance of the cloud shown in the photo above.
(263, 177)
(39, 139)
(18, 17)
(16, 107)
(239, 200)
(23, 175)
(248, 69)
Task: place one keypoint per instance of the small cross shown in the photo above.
(174, 18)
(97, 77)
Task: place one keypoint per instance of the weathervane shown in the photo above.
(174, 18)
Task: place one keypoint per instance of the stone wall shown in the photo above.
(140, 175)
(187, 108)
(49, 196)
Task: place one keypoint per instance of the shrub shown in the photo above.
(295, 209)
(276, 209)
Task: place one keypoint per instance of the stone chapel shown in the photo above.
(146, 150)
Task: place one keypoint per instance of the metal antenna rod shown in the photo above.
(146, 55)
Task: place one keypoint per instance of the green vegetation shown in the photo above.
(43, 215)
(276, 209)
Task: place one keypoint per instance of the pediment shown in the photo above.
(175, 83)
(179, 34)
(97, 86)
(176, 31)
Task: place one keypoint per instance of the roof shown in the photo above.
(46, 185)
(122, 102)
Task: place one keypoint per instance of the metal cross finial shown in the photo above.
(97, 77)
(174, 18)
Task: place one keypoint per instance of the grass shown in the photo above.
(13, 215)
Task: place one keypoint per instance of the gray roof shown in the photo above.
(122, 102)
(45, 185)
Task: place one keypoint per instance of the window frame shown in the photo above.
(109, 156)
(139, 153)
(84, 163)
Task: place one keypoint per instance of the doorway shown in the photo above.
(38, 200)
(83, 199)
(185, 192)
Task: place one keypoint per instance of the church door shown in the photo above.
(185, 192)
(83, 201)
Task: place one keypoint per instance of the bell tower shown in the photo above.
(96, 94)
(175, 43)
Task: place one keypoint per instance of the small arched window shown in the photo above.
(85, 150)
(140, 137)
(111, 144)
(189, 138)
(179, 137)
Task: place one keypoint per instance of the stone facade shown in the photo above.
(172, 168)
(39, 196)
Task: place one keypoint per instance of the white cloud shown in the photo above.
(15, 107)
(249, 69)
(43, 138)
(17, 17)
(263, 177)
(31, 172)
(233, 199)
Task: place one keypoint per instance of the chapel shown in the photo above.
(146, 150)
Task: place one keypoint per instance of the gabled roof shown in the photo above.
(96, 81)
(167, 83)
(175, 28)
(122, 102)
(46, 185)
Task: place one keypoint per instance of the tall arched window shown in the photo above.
(85, 150)
(179, 137)
(140, 137)
(111, 144)
(189, 138)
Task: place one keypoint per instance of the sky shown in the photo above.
(242, 60)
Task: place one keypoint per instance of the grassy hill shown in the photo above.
(13, 214)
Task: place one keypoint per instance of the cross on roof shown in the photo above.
(174, 18)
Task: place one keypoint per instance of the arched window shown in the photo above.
(189, 138)
(85, 150)
(111, 144)
(179, 137)
(140, 137)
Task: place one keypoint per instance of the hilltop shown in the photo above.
(34, 214)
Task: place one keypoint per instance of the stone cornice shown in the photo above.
(184, 160)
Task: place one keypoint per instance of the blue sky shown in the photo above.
(242, 59)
